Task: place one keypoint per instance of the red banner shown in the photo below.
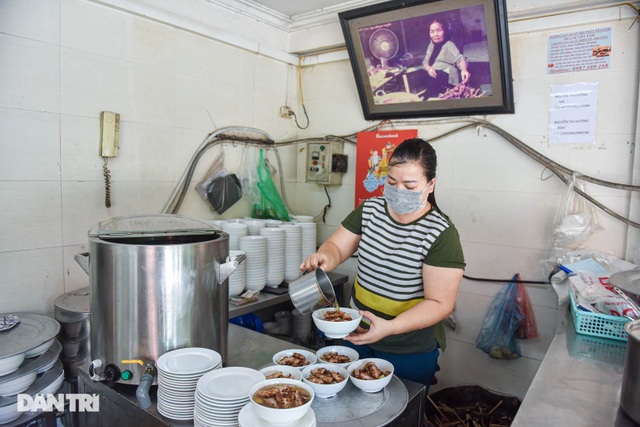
(373, 151)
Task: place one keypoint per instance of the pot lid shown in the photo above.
(36, 364)
(73, 306)
(40, 384)
(628, 281)
(151, 225)
(32, 331)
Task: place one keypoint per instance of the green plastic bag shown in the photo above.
(271, 204)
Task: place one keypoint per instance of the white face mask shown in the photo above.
(403, 201)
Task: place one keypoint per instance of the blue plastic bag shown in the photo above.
(497, 335)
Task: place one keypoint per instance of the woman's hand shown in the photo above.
(340, 246)
(313, 261)
(378, 329)
(465, 76)
(431, 71)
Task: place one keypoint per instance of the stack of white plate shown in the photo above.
(255, 248)
(273, 222)
(255, 225)
(221, 394)
(292, 251)
(236, 230)
(302, 218)
(237, 278)
(178, 375)
(275, 255)
(308, 244)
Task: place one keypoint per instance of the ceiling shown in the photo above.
(292, 8)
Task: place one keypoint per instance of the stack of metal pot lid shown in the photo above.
(72, 311)
(28, 357)
(31, 336)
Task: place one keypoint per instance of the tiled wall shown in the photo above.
(64, 61)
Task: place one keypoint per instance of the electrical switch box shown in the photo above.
(109, 134)
(325, 163)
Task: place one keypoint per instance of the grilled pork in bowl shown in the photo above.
(281, 401)
(370, 375)
(336, 324)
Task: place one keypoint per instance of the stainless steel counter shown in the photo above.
(251, 349)
(577, 384)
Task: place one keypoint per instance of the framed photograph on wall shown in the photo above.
(430, 58)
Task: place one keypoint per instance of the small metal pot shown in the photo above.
(631, 375)
(312, 291)
(629, 282)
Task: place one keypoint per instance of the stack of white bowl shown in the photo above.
(275, 255)
(273, 222)
(302, 218)
(308, 244)
(292, 251)
(255, 249)
(178, 375)
(255, 225)
(217, 222)
(237, 278)
(236, 230)
(221, 394)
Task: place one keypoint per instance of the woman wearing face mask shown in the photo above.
(410, 265)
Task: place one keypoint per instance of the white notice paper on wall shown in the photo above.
(573, 113)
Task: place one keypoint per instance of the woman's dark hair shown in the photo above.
(419, 151)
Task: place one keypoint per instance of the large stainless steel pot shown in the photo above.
(157, 283)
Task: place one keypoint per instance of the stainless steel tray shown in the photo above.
(353, 407)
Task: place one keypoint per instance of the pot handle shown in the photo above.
(225, 270)
(83, 260)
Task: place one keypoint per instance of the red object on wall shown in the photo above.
(373, 151)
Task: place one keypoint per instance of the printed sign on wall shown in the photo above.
(579, 51)
(573, 113)
(373, 151)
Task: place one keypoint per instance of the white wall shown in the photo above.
(64, 61)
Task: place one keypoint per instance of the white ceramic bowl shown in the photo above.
(290, 370)
(371, 386)
(18, 384)
(325, 390)
(311, 357)
(11, 364)
(54, 386)
(277, 416)
(37, 351)
(341, 350)
(9, 413)
(336, 330)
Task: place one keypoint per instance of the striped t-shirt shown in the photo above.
(390, 259)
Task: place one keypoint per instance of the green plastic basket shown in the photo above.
(596, 324)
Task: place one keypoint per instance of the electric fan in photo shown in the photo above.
(384, 46)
